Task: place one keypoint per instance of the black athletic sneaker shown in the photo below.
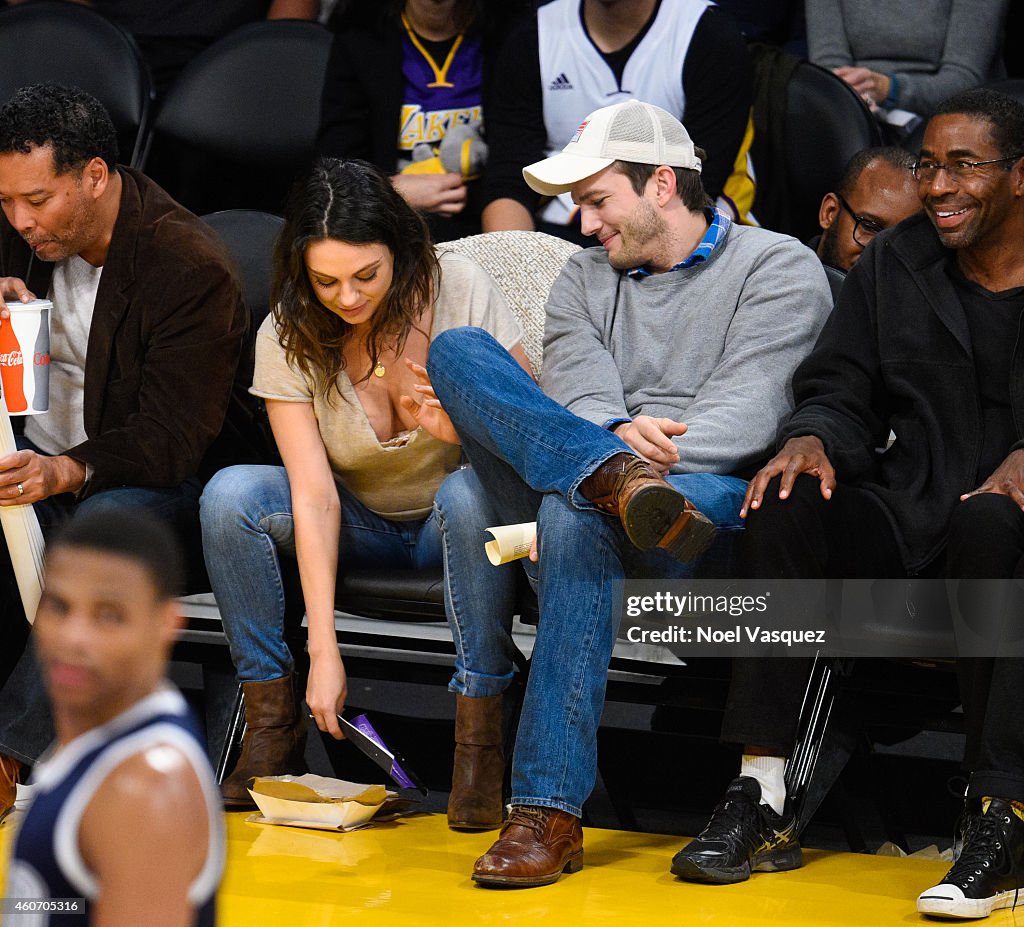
(987, 874)
(743, 836)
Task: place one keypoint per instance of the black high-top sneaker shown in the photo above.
(743, 836)
(965, 824)
(987, 873)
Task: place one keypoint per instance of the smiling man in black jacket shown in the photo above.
(925, 341)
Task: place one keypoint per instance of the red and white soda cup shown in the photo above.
(25, 357)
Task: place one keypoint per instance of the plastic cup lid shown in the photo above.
(15, 305)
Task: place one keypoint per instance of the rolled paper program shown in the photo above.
(511, 542)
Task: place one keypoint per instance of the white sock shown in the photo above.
(768, 771)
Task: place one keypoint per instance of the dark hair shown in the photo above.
(689, 185)
(1003, 113)
(74, 124)
(899, 158)
(353, 202)
(131, 533)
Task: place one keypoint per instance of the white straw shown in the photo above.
(22, 533)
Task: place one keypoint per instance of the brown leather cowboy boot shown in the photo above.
(275, 738)
(652, 512)
(475, 799)
(10, 776)
(535, 847)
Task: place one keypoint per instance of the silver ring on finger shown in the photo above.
(21, 489)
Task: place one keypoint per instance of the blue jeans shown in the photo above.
(26, 725)
(531, 454)
(246, 516)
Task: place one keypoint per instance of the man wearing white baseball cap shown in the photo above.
(633, 132)
(667, 358)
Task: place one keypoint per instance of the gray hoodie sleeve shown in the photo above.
(734, 417)
(579, 371)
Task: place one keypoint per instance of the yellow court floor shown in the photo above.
(415, 871)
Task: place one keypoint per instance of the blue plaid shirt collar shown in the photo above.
(718, 228)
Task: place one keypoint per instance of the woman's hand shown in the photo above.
(444, 194)
(428, 414)
(871, 85)
(326, 691)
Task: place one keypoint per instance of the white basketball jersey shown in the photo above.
(576, 80)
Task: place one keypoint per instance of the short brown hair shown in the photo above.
(689, 185)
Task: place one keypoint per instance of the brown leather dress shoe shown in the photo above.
(535, 847)
(10, 776)
(653, 513)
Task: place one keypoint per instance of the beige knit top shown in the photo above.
(398, 478)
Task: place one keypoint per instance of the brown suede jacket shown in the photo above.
(167, 332)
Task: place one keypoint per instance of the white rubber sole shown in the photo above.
(947, 901)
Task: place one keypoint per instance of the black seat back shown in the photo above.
(250, 236)
(66, 43)
(250, 102)
(836, 278)
(824, 123)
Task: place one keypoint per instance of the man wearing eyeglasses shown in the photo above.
(877, 191)
(925, 341)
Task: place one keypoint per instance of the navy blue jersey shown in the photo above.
(46, 862)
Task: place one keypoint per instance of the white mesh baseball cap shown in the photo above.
(630, 131)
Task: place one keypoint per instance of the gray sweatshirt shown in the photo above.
(713, 345)
(934, 47)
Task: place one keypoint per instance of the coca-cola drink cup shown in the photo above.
(25, 357)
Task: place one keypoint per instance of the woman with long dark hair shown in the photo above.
(358, 295)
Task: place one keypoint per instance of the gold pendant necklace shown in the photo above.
(379, 370)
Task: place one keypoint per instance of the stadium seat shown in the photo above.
(67, 43)
(247, 108)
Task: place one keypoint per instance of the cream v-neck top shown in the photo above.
(399, 478)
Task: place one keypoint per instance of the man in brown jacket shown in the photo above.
(147, 329)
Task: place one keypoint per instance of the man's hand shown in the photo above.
(651, 438)
(13, 288)
(440, 193)
(1008, 480)
(871, 85)
(428, 414)
(39, 477)
(805, 454)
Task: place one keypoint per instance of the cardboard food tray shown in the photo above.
(320, 802)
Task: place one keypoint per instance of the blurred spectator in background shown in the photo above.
(574, 57)
(905, 58)
(171, 33)
(407, 89)
(877, 190)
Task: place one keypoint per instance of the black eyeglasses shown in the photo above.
(864, 229)
(928, 170)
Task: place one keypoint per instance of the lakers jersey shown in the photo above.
(439, 94)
